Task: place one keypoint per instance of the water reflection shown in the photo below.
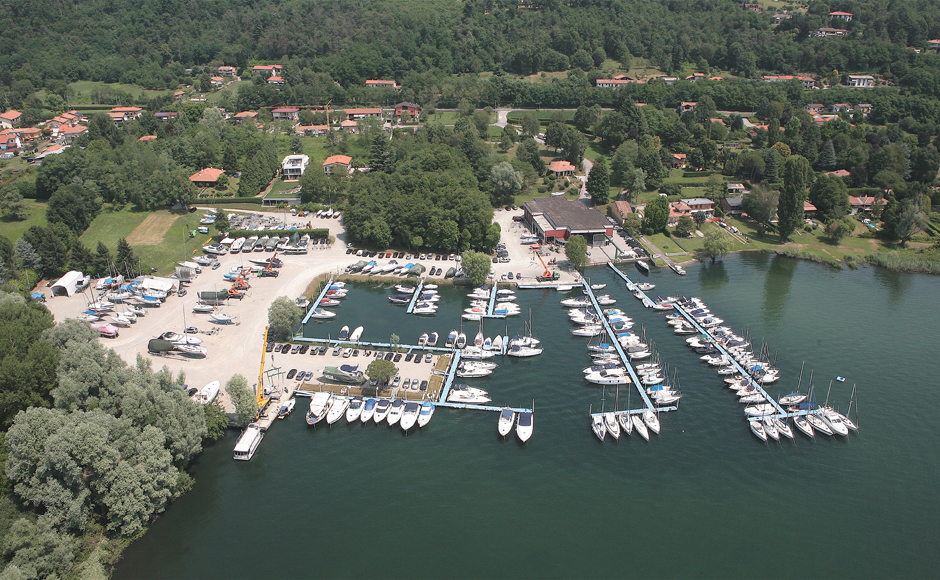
(777, 287)
(713, 276)
(895, 283)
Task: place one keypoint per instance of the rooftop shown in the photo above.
(206, 175)
(571, 214)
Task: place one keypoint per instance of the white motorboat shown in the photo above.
(757, 428)
(605, 300)
(381, 410)
(423, 339)
(410, 415)
(215, 249)
(355, 409)
(203, 308)
(465, 373)
(427, 411)
(475, 353)
(613, 427)
(645, 286)
(605, 377)
(507, 417)
(598, 427)
(482, 364)
(286, 408)
(642, 266)
(320, 404)
(248, 442)
(524, 425)
(329, 302)
(833, 420)
(208, 393)
(461, 340)
(760, 410)
(321, 313)
(432, 339)
(368, 409)
(598, 286)
(564, 287)
(343, 333)
(451, 339)
(471, 317)
(337, 410)
(467, 394)
(395, 412)
(425, 309)
(356, 334)
(651, 420)
(640, 427)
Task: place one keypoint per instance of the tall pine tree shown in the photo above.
(598, 182)
(796, 177)
(827, 157)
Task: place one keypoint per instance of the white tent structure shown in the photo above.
(68, 284)
(161, 284)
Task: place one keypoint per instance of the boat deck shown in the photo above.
(414, 298)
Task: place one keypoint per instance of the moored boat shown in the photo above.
(507, 417)
(248, 442)
(427, 411)
(410, 415)
(320, 404)
(337, 410)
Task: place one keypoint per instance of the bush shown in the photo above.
(542, 189)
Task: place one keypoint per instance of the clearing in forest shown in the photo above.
(150, 232)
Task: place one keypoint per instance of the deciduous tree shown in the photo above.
(576, 251)
(656, 216)
(245, 401)
(476, 266)
(283, 315)
(717, 243)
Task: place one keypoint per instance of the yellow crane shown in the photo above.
(260, 396)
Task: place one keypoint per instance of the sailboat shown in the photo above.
(598, 426)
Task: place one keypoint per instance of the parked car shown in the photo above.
(408, 357)
(427, 358)
(424, 385)
(291, 373)
(389, 356)
(269, 347)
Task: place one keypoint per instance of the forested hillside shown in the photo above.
(420, 43)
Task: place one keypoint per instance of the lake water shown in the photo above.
(704, 498)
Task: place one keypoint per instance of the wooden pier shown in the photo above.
(414, 298)
(316, 303)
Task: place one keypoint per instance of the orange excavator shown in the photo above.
(547, 276)
(269, 271)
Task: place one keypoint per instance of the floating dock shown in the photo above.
(414, 299)
(316, 303)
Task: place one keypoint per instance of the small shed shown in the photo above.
(67, 285)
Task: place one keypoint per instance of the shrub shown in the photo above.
(542, 189)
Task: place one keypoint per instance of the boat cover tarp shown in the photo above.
(159, 345)
(221, 295)
(68, 284)
(416, 270)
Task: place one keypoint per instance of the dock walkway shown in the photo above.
(316, 303)
(414, 299)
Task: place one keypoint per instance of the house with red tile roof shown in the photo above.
(677, 209)
(846, 16)
(311, 130)
(10, 119)
(276, 80)
(812, 108)
(807, 82)
(826, 32)
(864, 204)
(619, 210)
(561, 168)
(337, 165)
(685, 107)
(406, 107)
(362, 113)
(207, 177)
(245, 115)
(178, 95)
(285, 114)
(933, 44)
(383, 84)
(68, 134)
(216, 81)
(349, 126)
(130, 112)
(678, 160)
(695, 77)
(227, 70)
(616, 82)
(267, 70)
(10, 141)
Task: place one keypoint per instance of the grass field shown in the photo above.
(173, 244)
(83, 90)
(13, 230)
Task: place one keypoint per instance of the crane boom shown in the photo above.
(261, 399)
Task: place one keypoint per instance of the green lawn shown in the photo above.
(83, 90)
(13, 230)
(229, 91)
(110, 226)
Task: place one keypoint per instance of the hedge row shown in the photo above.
(314, 233)
(224, 200)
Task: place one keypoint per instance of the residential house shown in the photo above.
(131, 113)
(677, 209)
(166, 116)
(736, 189)
(276, 80)
(864, 204)
(933, 44)
(68, 134)
(356, 114)
(670, 80)
(695, 77)
(383, 84)
(285, 114)
(616, 82)
(807, 82)
(619, 210)
(826, 32)
(10, 141)
(294, 166)
(349, 126)
(561, 168)
(337, 165)
(216, 82)
(808, 209)
(406, 107)
(311, 130)
(863, 108)
(778, 18)
(28, 134)
(178, 95)
(72, 118)
(845, 16)
(245, 116)
(699, 204)
(731, 205)
(860, 81)
(685, 107)
(678, 160)
(207, 177)
(117, 118)
(266, 70)
(10, 119)
(841, 108)
(227, 70)
(753, 7)
(814, 108)
(53, 149)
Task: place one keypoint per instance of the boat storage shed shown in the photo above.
(552, 218)
(68, 284)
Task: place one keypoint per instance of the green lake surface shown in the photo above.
(705, 498)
